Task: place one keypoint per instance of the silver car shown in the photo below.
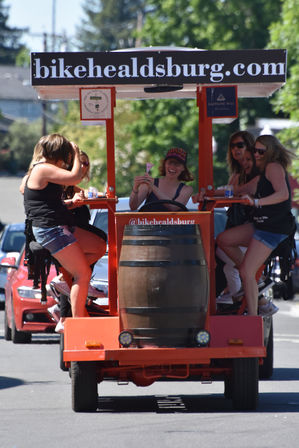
(12, 240)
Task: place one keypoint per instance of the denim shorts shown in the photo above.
(54, 238)
(270, 239)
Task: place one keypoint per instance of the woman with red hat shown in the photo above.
(169, 186)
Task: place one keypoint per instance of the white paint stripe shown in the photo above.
(293, 341)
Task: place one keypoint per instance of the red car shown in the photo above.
(24, 312)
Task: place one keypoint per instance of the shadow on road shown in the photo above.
(6, 382)
(285, 374)
(268, 402)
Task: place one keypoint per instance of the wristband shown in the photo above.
(256, 202)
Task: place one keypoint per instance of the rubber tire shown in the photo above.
(266, 369)
(245, 384)
(7, 330)
(84, 386)
(19, 337)
(61, 348)
(228, 388)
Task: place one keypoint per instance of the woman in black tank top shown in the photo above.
(44, 207)
(269, 195)
(169, 186)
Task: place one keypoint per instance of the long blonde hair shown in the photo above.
(275, 151)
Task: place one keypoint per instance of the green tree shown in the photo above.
(9, 38)
(21, 139)
(213, 25)
(109, 24)
(92, 140)
(285, 33)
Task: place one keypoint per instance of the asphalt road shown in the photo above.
(35, 405)
(11, 200)
(35, 395)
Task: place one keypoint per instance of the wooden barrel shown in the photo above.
(163, 284)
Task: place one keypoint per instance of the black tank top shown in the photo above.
(45, 207)
(152, 197)
(276, 218)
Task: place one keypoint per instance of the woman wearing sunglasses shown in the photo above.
(270, 196)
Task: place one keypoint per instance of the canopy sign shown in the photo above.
(159, 67)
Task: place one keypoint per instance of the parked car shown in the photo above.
(12, 240)
(24, 313)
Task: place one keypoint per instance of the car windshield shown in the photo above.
(13, 241)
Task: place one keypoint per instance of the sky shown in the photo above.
(37, 16)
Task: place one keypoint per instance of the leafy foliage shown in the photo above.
(9, 38)
(285, 33)
(109, 24)
(20, 140)
(214, 25)
(92, 140)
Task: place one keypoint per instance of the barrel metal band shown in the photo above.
(162, 310)
(145, 263)
(179, 241)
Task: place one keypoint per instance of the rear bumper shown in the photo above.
(96, 339)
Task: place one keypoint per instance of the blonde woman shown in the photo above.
(52, 223)
(270, 196)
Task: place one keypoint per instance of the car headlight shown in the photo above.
(27, 292)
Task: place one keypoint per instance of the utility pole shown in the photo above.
(53, 25)
(44, 104)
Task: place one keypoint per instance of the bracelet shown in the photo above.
(256, 202)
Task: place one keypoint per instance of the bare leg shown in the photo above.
(230, 241)
(256, 254)
(92, 245)
(73, 259)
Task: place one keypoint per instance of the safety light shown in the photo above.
(202, 338)
(125, 338)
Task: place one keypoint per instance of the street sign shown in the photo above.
(95, 103)
(222, 102)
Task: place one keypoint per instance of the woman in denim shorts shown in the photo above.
(270, 196)
(52, 223)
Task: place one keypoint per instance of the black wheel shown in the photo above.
(7, 330)
(289, 289)
(84, 386)
(150, 206)
(228, 388)
(19, 337)
(61, 348)
(266, 369)
(245, 384)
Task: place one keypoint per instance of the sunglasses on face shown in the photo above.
(261, 151)
(85, 163)
(238, 145)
